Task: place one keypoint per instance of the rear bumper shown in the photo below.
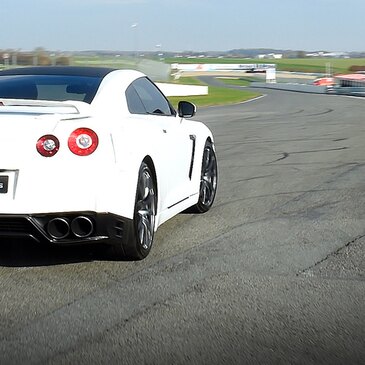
(67, 228)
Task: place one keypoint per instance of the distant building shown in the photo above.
(272, 56)
(328, 54)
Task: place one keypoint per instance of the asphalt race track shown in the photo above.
(273, 274)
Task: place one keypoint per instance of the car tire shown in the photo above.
(142, 228)
(208, 180)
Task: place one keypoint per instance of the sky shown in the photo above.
(182, 25)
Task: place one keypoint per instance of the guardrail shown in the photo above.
(292, 87)
(354, 91)
(337, 90)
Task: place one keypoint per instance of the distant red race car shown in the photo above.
(324, 81)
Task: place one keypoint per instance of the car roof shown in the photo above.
(59, 70)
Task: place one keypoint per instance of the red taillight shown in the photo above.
(83, 142)
(48, 145)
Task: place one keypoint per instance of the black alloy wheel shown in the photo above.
(140, 242)
(208, 180)
(145, 209)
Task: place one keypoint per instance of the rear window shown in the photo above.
(49, 87)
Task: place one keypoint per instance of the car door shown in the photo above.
(175, 144)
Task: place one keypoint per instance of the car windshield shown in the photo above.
(49, 87)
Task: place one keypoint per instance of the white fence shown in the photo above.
(182, 90)
(211, 67)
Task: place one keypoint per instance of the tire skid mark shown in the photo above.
(264, 196)
(286, 154)
(331, 254)
(253, 141)
(301, 112)
(321, 113)
(254, 178)
(326, 150)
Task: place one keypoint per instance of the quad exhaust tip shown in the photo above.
(58, 228)
(80, 227)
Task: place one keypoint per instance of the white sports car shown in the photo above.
(93, 154)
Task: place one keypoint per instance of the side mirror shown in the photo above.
(186, 109)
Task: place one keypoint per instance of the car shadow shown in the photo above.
(26, 253)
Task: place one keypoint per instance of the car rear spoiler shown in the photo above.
(39, 106)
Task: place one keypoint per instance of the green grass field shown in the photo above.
(105, 61)
(216, 96)
(238, 82)
(312, 65)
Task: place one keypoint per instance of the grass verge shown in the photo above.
(237, 81)
(216, 95)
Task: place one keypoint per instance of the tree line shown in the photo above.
(33, 59)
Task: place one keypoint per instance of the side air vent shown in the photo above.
(119, 229)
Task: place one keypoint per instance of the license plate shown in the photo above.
(4, 183)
